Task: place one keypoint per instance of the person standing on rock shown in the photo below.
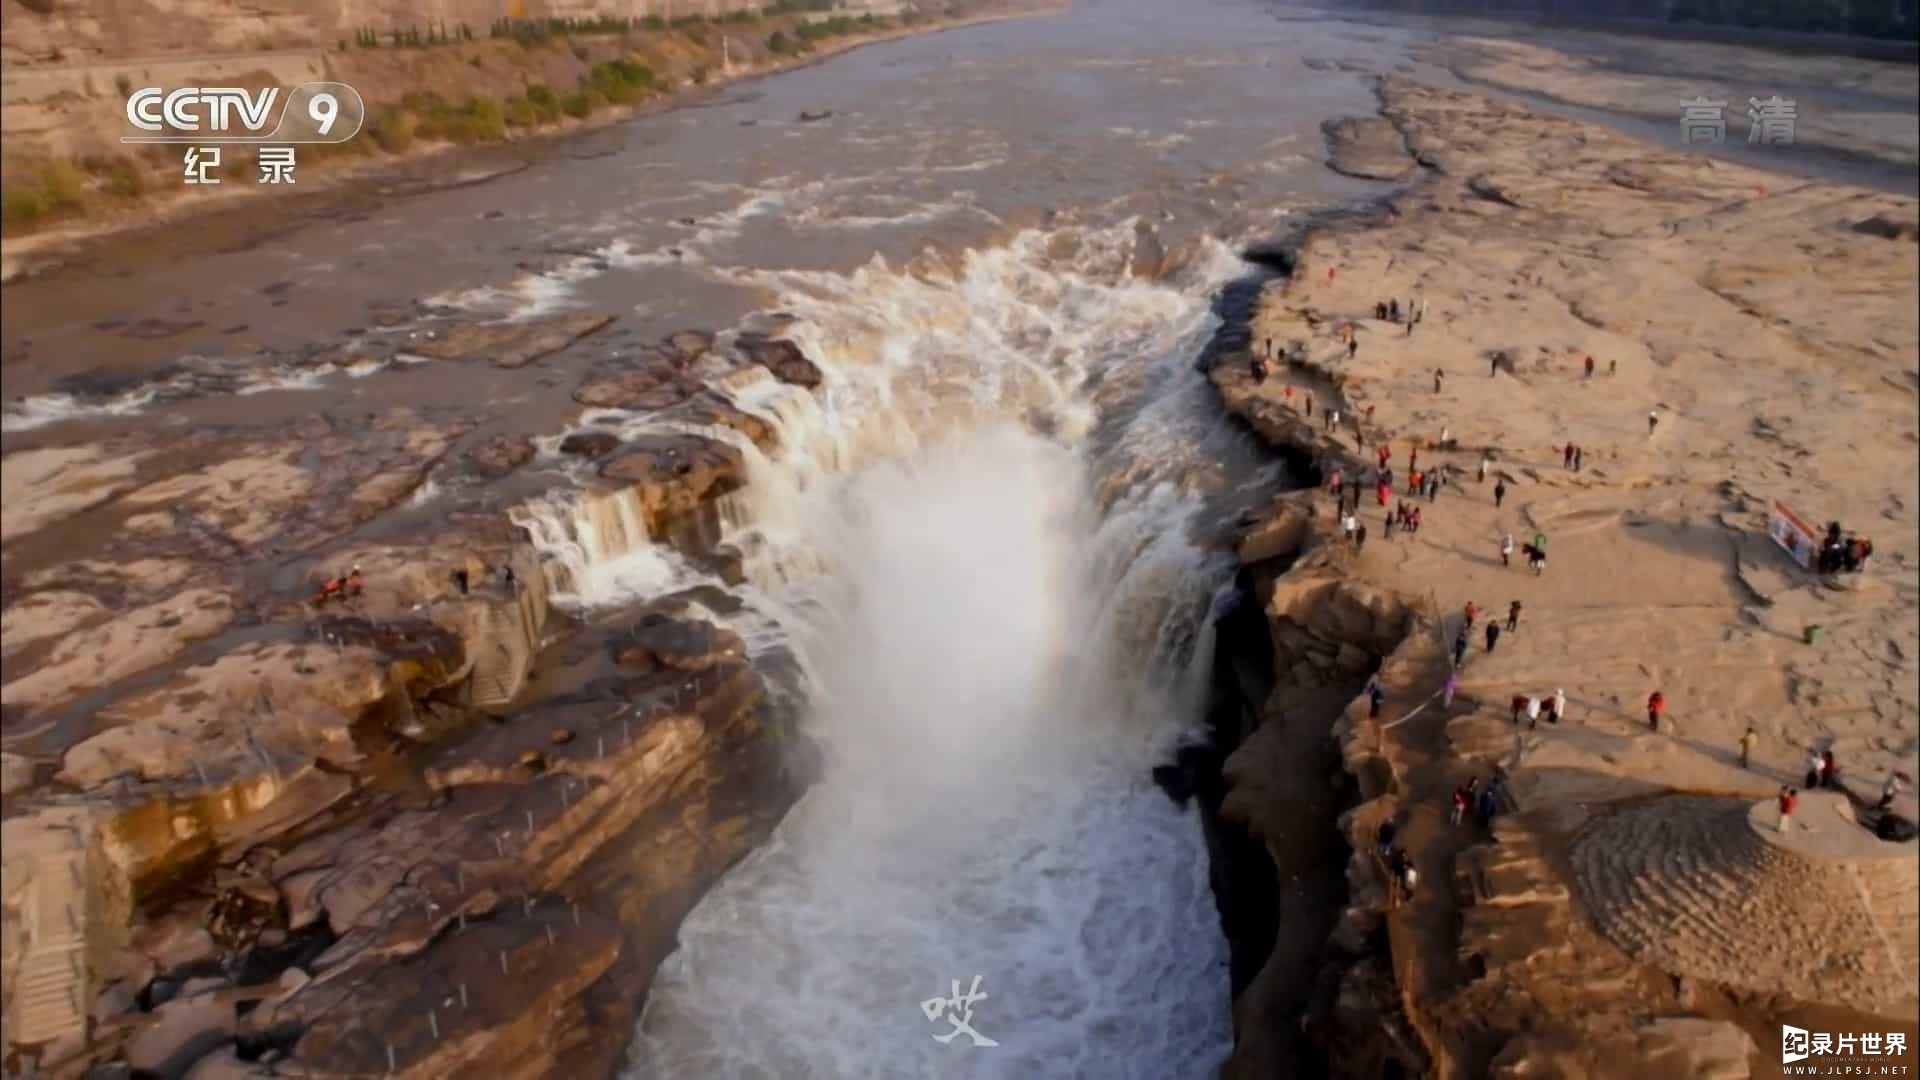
(1499, 493)
(1472, 613)
(1613, 367)
(1589, 365)
(1656, 705)
(1519, 705)
(1513, 609)
(1413, 520)
(1579, 457)
(1413, 483)
(1439, 374)
(1359, 539)
(1460, 649)
(1789, 799)
(1288, 393)
(1376, 697)
(1506, 550)
(1383, 837)
(1489, 803)
(1653, 421)
(1559, 705)
(1459, 807)
(1346, 523)
(1747, 743)
(1533, 713)
(1309, 405)
(1493, 635)
(1353, 346)
(1829, 771)
(1380, 493)
(1448, 688)
(1896, 783)
(1401, 878)
(1413, 457)
(1485, 463)
(1814, 763)
(1566, 457)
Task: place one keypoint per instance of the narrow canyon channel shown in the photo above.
(979, 550)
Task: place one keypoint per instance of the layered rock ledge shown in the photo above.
(435, 826)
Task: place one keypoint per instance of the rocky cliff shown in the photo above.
(429, 826)
(1622, 908)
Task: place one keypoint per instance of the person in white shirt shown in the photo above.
(1533, 712)
(1560, 704)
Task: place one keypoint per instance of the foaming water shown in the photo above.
(978, 540)
(986, 809)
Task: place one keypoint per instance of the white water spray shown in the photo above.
(1004, 629)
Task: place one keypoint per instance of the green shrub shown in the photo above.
(120, 177)
(393, 129)
(480, 120)
(777, 43)
(40, 192)
(577, 105)
(518, 112)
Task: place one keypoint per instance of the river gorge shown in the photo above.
(799, 529)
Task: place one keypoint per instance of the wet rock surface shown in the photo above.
(501, 455)
(783, 358)
(674, 475)
(1368, 147)
(511, 345)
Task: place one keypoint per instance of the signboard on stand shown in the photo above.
(1793, 534)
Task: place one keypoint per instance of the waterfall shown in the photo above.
(977, 535)
(595, 549)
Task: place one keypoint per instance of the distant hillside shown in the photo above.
(1886, 19)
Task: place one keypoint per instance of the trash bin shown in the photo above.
(1813, 634)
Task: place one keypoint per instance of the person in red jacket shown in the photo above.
(1789, 798)
(1656, 704)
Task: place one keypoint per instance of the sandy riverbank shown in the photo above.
(1625, 917)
